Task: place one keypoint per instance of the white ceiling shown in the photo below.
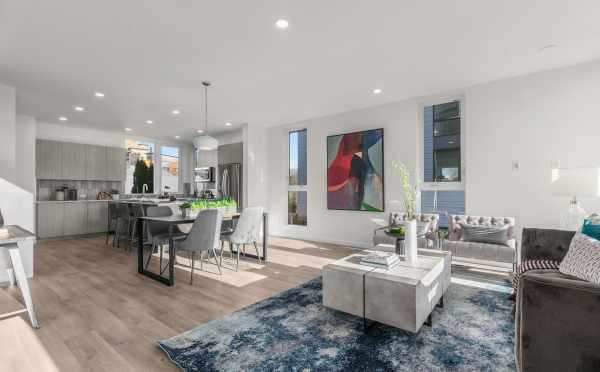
(150, 56)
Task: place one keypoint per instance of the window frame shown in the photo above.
(293, 188)
(443, 186)
(155, 159)
(179, 161)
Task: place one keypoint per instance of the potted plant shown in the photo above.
(410, 208)
(185, 209)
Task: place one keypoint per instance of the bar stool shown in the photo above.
(112, 220)
(123, 224)
(135, 210)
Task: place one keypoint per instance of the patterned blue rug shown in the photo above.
(292, 331)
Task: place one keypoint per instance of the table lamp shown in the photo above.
(575, 183)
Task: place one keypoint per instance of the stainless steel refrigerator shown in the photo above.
(230, 182)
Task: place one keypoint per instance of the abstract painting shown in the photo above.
(355, 171)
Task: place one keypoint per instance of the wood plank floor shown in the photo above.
(98, 314)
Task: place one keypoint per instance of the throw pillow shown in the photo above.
(591, 229)
(484, 234)
(582, 259)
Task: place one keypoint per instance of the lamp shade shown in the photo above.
(206, 143)
(576, 182)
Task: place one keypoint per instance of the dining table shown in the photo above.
(173, 221)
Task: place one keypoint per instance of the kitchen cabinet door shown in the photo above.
(236, 153)
(224, 154)
(95, 162)
(48, 160)
(97, 217)
(73, 161)
(75, 218)
(115, 163)
(50, 220)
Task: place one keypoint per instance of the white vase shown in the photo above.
(410, 242)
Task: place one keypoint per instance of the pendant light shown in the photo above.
(206, 142)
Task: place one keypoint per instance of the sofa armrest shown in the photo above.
(557, 321)
(545, 244)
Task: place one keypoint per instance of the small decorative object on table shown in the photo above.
(185, 209)
(410, 208)
(381, 260)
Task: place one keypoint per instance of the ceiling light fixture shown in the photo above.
(200, 131)
(128, 129)
(78, 108)
(282, 23)
(149, 122)
(205, 142)
(377, 91)
(177, 137)
(99, 94)
(228, 124)
(62, 118)
(176, 112)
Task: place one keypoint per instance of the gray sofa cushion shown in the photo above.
(480, 251)
(583, 259)
(484, 234)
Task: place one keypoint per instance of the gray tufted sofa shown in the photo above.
(397, 218)
(475, 251)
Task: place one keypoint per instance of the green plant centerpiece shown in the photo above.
(192, 208)
(409, 194)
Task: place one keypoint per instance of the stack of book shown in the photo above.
(380, 260)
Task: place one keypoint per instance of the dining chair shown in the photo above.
(203, 237)
(123, 224)
(247, 231)
(158, 233)
(135, 210)
(112, 220)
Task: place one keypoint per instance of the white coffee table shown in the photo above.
(402, 297)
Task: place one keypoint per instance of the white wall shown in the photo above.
(345, 227)
(25, 152)
(539, 120)
(7, 133)
(254, 166)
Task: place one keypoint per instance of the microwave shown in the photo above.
(204, 174)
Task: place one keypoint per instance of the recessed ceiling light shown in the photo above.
(62, 118)
(377, 91)
(78, 108)
(176, 112)
(228, 124)
(200, 131)
(282, 23)
(99, 94)
(149, 122)
(128, 129)
(177, 137)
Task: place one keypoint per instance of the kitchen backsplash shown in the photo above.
(86, 190)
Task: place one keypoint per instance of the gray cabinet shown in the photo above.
(50, 218)
(48, 160)
(72, 161)
(230, 153)
(97, 217)
(75, 218)
(95, 162)
(115, 163)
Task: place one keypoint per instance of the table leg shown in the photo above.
(265, 236)
(441, 302)
(140, 231)
(171, 257)
(429, 320)
(19, 271)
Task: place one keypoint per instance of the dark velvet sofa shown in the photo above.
(557, 316)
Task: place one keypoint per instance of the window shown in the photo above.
(169, 168)
(443, 189)
(140, 167)
(297, 178)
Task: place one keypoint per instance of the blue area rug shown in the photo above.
(292, 331)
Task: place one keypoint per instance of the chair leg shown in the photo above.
(160, 247)
(150, 256)
(216, 260)
(257, 254)
(230, 250)
(238, 258)
(192, 273)
(244, 249)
